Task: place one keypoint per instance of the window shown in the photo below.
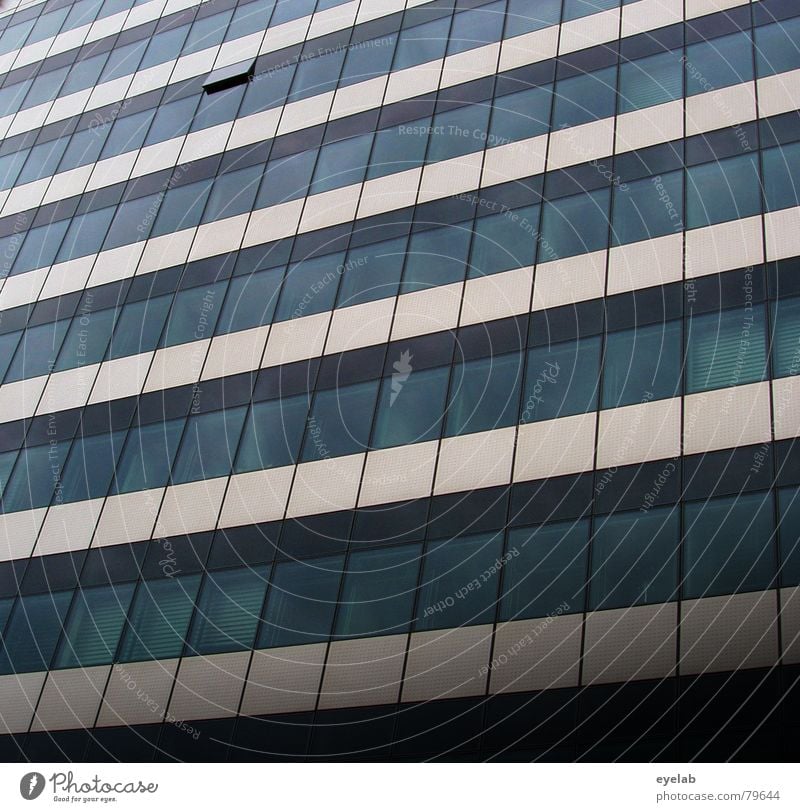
(561, 379)
(37, 350)
(484, 394)
(652, 80)
(8, 344)
(206, 32)
(437, 257)
(139, 326)
(164, 46)
(228, 610)
(159, 618)
(301, 602)
(341, 163)
(504, 241)
(84, 147)
(6, 604)
(209, 444)
(132, 221)
(574, 225)
(171, 120)
(728, 545)
(316, 75)
(45, 87)
(86, 233)
(232, 193)
(789, 524)
(90, 466)
(340, 421)
(84, 73)
(272, 434)
(250, 301)
(647, 208)
(36, 472)
(194, 314)
(522, 16)
(94, 626)
(267, 90)
(459, 132)
(411, 405)
(586, 97)
(182, 207)
(251, 17)
(520, 115)
(286, 178)
(43, 160)
(33, 631)
(718, 63)
(399, 148)
(724, 190)
(782, 176)
(372, 272)
(87, 338)
(726, 348)
(641, 364)
(40, 247)
(776, 47)
(545, 571)
(148, 456)
(573, 9)
(310, 287)
(421, 43)
(459, 583)
(217, 108)
(369, 59)
(635, 558)
(378, 592)
(476, 27)
(127, 133)
(786, 337)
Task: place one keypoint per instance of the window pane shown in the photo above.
(139, 326)
(86, 233)
(127, 133)
(43, 160)
(653, 80)
(728, 545)
(421, 43)
(267, 90)
(84, 148)
(37, 350)
(181, 208)
(727, 348)
(587, 97)
(209, 444)
(399, 148)
(159, 618)
(40, 247)
(87, 338)
(459, 584)
(782, 176)
(789, 524)
(476, 27)
(583, 8)
(459, 132)
(286, 178)
(437, 257)
(647, 208)
(309, 287)
(504, 241)
(228, 610)
(635, 558)
(301, 602)
(561, 379)
(250, 301)
(575, 225)
(410, 408)
(718, 63)
(163, 46)
(94, 626)
(520, 115)
(36, 473)
(776, 47)
(642, 364)
(378, 592)
(194, 314)
(148, 456)
(547, 575)
(340, 421)
(272, 434)
(523, 16)
(132, 221)
(90, 467)
(366, 60)
(33, 631)
(233, 193)
(484, 394)
(316, 75)
(217, 108)
(786, 337)
(171, 120)
(723, 190)
(372, 272)
(341, 163)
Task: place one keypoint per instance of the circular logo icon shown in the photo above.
(31, 786)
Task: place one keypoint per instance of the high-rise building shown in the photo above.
(400, 380)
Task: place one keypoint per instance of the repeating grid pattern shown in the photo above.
(466, 357)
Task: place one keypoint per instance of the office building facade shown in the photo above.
(399, 380)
